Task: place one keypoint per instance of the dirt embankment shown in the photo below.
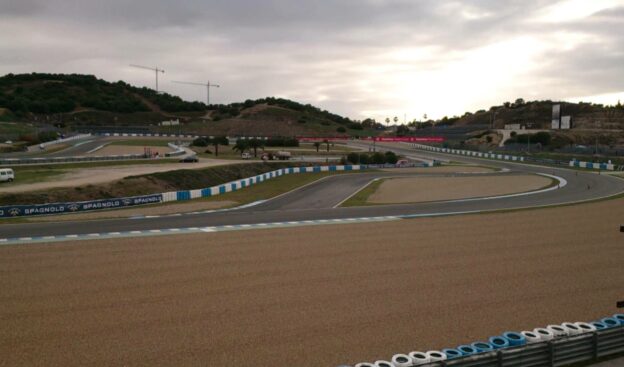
(156, 182)
(310, 296)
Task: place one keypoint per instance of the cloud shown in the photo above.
(356, 57)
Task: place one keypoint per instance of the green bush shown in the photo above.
(341, 129)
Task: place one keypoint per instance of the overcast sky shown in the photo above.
(361, 58)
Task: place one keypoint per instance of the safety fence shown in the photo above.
(507, 157)
(556, 345)
(40, 160)
(112, 203)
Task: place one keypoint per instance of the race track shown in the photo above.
(318, 200)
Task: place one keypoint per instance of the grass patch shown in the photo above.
(361, 197)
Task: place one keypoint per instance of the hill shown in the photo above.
(84, 102)
(538, 115)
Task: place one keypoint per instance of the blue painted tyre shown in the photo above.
(599, 325)
(610, 322)
(467, 350)
(514, 338)
(619, 317)
(482, 347)
(452, 353)
(499, 342)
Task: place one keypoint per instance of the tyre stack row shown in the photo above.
(506, 340)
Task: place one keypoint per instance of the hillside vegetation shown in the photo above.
(86, 102)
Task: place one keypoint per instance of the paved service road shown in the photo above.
(316, 201)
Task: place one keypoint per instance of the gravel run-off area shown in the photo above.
(421, 189)
(308, 296)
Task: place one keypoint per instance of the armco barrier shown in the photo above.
(470, 153)
(18, 161)
(177, 151)
(60, 141)
(59, 208)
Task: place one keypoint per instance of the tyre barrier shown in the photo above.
(571, 328)
(419, 358)
(482, 347)
(383, 364)
(544, 334)
(599, 325)
(610, 322)
(402, 360)
(436, 356)
(451, 353)
(499, 342)
(531, 337)
(467, 350)
(523, 341)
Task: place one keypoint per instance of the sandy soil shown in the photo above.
(129, 149)
(420, 189)
(442, 169)
(310, 296)
(187, 207)
(90, 176)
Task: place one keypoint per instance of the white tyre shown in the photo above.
(419, 358)
(436, 356)
(585, 327)
(544, 334)
(557, 330)
(531, 337)
(402, 360)
(571, 328)
(384, 364)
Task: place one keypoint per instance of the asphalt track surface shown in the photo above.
(318, 200)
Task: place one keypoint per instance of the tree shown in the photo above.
(341, 129)
(327, 144)
(218, 140)
(255, 144)
(241, 145)
(395, 119)
(402, 130)
(387, 120)
(317, 145)
(353, 158)
(391, 157)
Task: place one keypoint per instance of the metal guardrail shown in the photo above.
(564, 351)
(18, 161)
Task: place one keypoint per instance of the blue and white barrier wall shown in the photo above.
(470, 153)
(592, 165)
(73, 207)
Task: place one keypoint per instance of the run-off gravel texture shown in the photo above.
(310, 296)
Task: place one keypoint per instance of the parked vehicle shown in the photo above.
(246, 155)
(189, 159)
(6, 175)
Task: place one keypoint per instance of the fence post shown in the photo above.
(551, 350)
(499, 358)
(595, 344)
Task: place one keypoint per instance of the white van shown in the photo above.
(6, 174)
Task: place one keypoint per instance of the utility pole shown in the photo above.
(156, 70)
(207, 85)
